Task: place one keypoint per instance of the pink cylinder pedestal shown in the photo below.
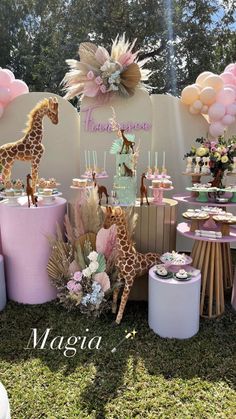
(26, 249)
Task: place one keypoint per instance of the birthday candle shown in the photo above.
(156, 159)
(104, 161)
(96, 158)
(89, 159)
(164, 160)
(94, 161)
(86, 160)
(149, 159)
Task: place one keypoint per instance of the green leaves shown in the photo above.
(102, 263)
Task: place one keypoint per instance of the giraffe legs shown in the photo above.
(6, 172)
(125, 295)
(34, 174)
(115, 294)
(146, 198)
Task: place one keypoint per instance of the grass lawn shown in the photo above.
(148, 377)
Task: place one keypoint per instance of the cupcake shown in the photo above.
(47, 191)
(156, 183)
(181, 274)
(9, 192)
(52, 183)
(161, 271)
(166, 183)
(42, 183)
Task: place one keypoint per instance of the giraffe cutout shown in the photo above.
(30, 147)
(130, 264)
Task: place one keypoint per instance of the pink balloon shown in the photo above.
(226, 96)
(231, 68)
(10, 73)
(216, 111)
(228, 119)
(231, 109)
(1, 110)
(5, 78)
(228, 78)
(17, 88)
(4, 95)
(231, 86)
(216, 129)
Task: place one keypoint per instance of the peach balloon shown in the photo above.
(213, 81)
(226, 96)
(194, 111)
(216, 111)
(190, 94)
(197, 105)
(202, 77)
(208, 95)
(204, 109)
(216, 129)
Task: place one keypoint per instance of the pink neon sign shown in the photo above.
(91, 125)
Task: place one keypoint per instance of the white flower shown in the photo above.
(87, 272)
(93, 256)
(93, 266)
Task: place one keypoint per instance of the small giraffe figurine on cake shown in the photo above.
(130, 264)
(30, 147)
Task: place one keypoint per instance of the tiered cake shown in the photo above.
(125, 180)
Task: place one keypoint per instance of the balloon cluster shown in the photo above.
(215, 97)
(10, 88)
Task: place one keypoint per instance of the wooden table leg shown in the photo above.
(211, 278)
(204, 276)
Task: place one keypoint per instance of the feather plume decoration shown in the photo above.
(91, 213)
(101, 75)
(69, 230)
(131, 219)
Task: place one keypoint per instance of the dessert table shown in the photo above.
(26, 248)
(173, 306)
(212, 256)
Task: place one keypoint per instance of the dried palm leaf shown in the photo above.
(87, 52)
(90, 237)
(131, 76)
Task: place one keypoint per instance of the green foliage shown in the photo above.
(102, 263)
(182, 38)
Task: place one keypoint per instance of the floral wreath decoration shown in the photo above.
(101, 75)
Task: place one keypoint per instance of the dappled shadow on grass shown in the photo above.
(209, 355)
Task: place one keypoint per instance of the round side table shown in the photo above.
(213, 258)
(4, 403)
(173, 306)
(26, 249)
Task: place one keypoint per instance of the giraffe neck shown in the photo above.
(35, 132)
(123, 244)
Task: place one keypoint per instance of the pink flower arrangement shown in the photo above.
(73, 286)
(78, 276)
(117, 72)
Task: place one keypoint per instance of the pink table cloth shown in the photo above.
(26, 249)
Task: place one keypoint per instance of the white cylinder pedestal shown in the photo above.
(174, 306)
(4, 404)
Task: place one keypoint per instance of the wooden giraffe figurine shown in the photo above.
(127, 170)
(143, 190)
(130, 264)
(126, 143)
(30, 192)
(29, 147)
(101, 189)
